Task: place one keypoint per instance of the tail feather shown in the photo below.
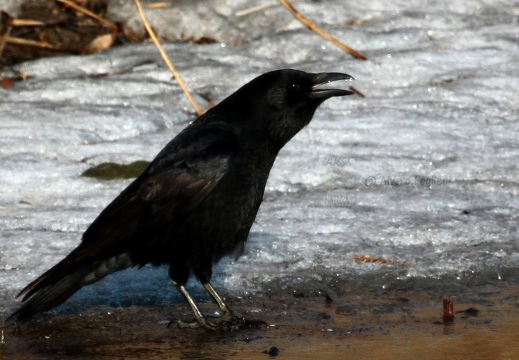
(49, 297)
(54, 287)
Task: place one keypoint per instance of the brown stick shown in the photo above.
(157, 5)
(27, 22)
(166, 59)
(448, 310)
(310, 25)
(20, 41)
(5, 35)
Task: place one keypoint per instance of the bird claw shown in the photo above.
(235, 323)
(195, 324)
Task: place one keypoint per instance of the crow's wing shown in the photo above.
(176, 181)
(170, 187)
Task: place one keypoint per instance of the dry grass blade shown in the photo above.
(166, 59)
(28, 42)
(89, 13)
(157, 5)
(378, 260)
(254, 9)
(309, 24)
(357, 91)
(27, 22)
(6, 25)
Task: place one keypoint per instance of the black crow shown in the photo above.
(198, 198)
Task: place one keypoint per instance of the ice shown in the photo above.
(422, 171)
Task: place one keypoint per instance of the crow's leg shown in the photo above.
(221, 304)
(235, 322)
(200, 318)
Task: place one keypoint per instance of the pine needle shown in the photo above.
(166, 59)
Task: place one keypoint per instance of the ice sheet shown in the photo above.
(422, 171)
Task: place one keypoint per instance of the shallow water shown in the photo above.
(422, 171)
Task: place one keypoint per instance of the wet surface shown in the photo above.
(393, 324)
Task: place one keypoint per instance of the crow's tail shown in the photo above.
(55, 286)
(49, 297)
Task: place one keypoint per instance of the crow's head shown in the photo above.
(278, 104)
(295, 88)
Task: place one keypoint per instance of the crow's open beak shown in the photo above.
(320, 79)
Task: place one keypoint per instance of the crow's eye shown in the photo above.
(295, 87)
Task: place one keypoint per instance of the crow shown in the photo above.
(198, 198)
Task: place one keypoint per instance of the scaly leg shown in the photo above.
(221, 304)
(200, 318)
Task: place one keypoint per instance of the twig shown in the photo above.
(89, 13)
(310, 25)
(27, 22)
(254, 9)
(357, 91)
(157, 5)
(20, 41)
(166, 59)
(371, 259)
(9, 26)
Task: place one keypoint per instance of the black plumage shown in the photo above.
(198, 199)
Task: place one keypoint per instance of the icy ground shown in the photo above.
(424, 170)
